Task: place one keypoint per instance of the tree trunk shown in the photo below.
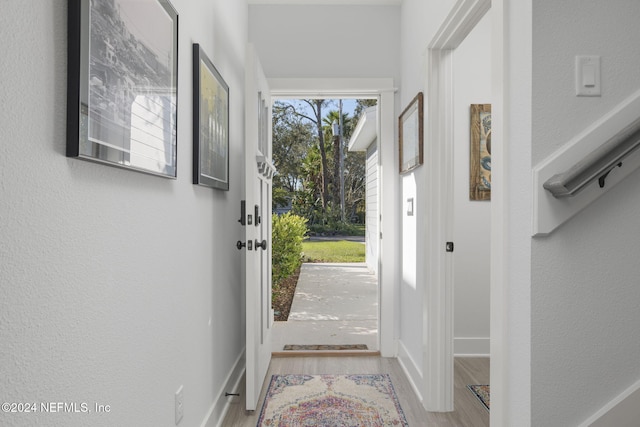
(336, 171)
(323, 156)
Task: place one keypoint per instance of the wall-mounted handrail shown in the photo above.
(597, 165)
(565, 182)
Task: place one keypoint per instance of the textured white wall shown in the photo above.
(472, 228)
(410, 289)
(117, 287)
(328, 41)
(419, 22)
(585, 293)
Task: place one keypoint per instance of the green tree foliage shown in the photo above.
(307, 157)
(287, 234)
(316, 106)
(293, 136)
(355, 183)
(362, 104)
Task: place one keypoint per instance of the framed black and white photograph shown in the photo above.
(210, 123)
(123, 84)
(411, 135)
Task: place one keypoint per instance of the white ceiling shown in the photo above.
(332, 2)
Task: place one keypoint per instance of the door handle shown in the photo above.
(262, 244)
(256, 211)
(243, 212)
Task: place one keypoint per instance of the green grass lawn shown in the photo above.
(340, 251)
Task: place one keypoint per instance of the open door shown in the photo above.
(256, 216)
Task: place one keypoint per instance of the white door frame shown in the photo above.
(388, 259)
(438, 296)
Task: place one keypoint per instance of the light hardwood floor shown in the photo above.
(469, 411)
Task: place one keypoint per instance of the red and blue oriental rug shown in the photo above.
(331, 400)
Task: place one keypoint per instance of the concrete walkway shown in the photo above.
(334, 304)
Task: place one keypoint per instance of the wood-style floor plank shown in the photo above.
(469, 412)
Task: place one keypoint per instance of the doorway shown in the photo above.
(381, 89)
(327, 183)
(439, 299)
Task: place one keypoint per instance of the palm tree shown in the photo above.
(334, 116)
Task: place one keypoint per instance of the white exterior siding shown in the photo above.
(371, 218)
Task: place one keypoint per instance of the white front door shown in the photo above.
(257, 217)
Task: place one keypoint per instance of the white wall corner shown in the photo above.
(220, 406)
(550, 213)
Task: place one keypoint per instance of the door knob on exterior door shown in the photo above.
(262, 244)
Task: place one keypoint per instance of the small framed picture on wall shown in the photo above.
(480, 158)
(411, 134)
(210, 123)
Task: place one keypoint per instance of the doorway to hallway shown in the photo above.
(459, 75)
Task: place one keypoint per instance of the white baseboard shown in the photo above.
(220, 406)
(411, 369)
(471, 347)
(623, 411)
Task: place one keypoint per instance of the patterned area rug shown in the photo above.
(305, 347)
(331, 400)
(482, 393)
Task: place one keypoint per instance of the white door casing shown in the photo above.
(438, 296)
(388, 253)
(258, 173)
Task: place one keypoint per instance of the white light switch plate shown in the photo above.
(588, 75)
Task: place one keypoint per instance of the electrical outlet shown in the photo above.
(179, 405)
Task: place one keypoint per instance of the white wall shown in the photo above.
(584, 290)
(410, 286)
(328, 41)
(472, 228)
(117, 287)
(419, 22)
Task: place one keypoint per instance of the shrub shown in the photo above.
(288, 233)
(334, 228)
